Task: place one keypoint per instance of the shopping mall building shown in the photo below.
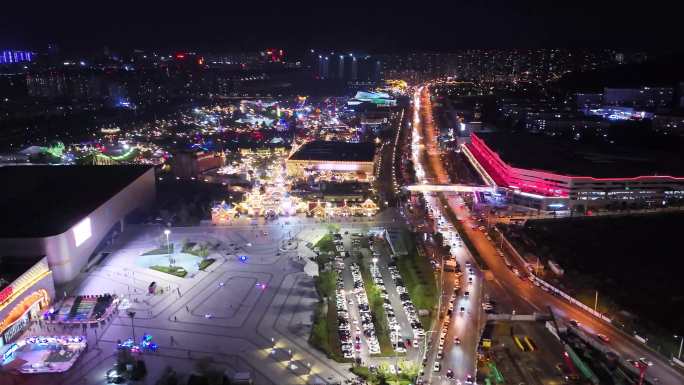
(26, 289)
(57, 219)
(341, 160)
(550, 174)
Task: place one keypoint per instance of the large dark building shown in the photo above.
(67, 213)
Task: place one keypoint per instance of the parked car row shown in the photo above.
(349, 345)
(394, 327)
(366, 318)
(409, 308)
(343, 324)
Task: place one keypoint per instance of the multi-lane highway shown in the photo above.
(520, 294)
(454, 338)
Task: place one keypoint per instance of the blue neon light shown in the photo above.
(9, 56)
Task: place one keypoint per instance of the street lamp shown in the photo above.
(681, 345)
(425, 347)
(167, 232)
(396, 345)
(132, 315)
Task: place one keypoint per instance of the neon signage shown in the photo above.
(8, 354)
(17, 328)
(6, 293)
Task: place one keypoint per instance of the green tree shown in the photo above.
(205, 369)
(184, 215)
(327, 281)
(123, 358)
(409, 369)
(169, 377)
(203, 251)
(439, 238)
(203, 365)
(139, 370)
(383, 368)
(333, 228)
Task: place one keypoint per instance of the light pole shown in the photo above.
(396, 345)
(441, 285)
(132, 315)
(681, 345)
(596, 301)
(425, 349)
(167, 232)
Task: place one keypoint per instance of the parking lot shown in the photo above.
(352, 298)
(363, 260)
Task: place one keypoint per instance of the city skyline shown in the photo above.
(339, 194)
(434, 27)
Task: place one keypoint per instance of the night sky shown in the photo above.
(378, 26)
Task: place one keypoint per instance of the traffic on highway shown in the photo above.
(451, 355)
(453, 340)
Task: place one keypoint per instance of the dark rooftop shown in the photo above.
(345, 188)
(568, 157)
(38, 201)
(335, 151)
(12, 267)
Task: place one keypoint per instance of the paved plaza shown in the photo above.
(233, 312)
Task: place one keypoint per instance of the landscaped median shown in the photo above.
(325, 245)
(173, 270)
(324, 333)
(419, 278)
(382, 373)
(206, 263)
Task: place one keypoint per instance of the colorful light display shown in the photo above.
(146, 345)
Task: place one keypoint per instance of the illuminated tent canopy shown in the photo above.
(377, 98)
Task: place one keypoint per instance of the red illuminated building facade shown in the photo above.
(548, 190)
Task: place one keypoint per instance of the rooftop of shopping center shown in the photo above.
(569, 157)
(320, 150)
(39, 201)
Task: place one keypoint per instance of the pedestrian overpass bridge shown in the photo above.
(448, 188)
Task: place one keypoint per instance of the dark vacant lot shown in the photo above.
(635, 260)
